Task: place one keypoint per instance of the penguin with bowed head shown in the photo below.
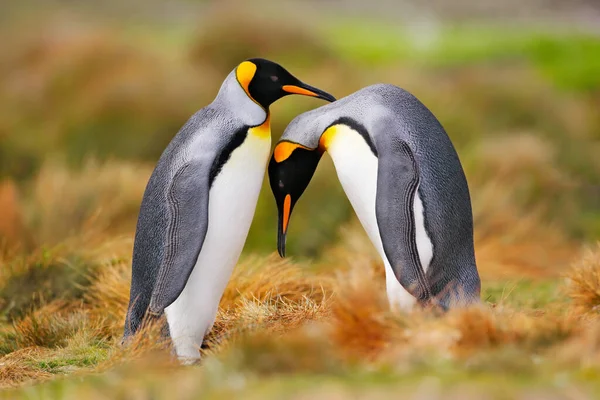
(405, 182)
(199, 202)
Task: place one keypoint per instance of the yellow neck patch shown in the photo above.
(244, 74)
(327, 137)
(263, 130)
(284, 150)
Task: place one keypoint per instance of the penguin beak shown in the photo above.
(281, 243)
(307, 90)
(284, 218)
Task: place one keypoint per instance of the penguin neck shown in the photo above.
(232, 97)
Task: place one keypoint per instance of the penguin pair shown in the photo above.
(405, 183)
(393, 158)
(199, 202)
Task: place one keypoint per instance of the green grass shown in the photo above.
(525, 293)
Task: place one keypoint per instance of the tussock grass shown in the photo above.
(148, 344)
(50, 326)
(274, 278)
(360, 324)
(363, 326)
(97, 199)
(584, 282)
(278, 317)
(16, 369)
(270, 296)
(108, 296)
(27, 282)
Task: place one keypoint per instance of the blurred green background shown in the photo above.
(92, 92)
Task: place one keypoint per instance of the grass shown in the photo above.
(282, 328)
(83, 118)
(284, 324)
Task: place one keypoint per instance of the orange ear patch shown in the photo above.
(244, 73)
(284, 150)
(327, 137)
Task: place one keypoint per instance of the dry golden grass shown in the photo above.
(49, 326)
(108, 296)
(98, 198)
(363, 327)
(148, 343)
(584, 282)
(274, 278)
(278, 317)
(15, 370)
(360, 323)
(269, 296)
(510, 239)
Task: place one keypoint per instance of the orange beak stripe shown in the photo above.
(284, 150)
(298, 90)
(287, 203)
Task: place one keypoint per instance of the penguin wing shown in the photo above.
(397, 183)
(187, 225)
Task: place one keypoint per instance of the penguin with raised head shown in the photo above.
(404, 181)
(200, 201)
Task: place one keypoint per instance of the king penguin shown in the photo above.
(405, 182)
(199, 202)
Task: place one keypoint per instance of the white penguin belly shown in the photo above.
(232, 202)
(356, 167)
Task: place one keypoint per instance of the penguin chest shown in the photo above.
(356, 167)
(233, 196)
(231, 204)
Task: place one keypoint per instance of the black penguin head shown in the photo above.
(291, 168)
(266, 82)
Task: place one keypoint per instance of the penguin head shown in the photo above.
(291, 168)
(266, 82)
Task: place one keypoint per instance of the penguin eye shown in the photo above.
(274, 78)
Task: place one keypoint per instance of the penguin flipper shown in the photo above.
(187, 226)
(397, 183)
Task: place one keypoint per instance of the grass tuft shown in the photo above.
(15, 370)
(584, 282)
(49, 326)
(361, 323)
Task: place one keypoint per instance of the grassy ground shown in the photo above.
(85, 113)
